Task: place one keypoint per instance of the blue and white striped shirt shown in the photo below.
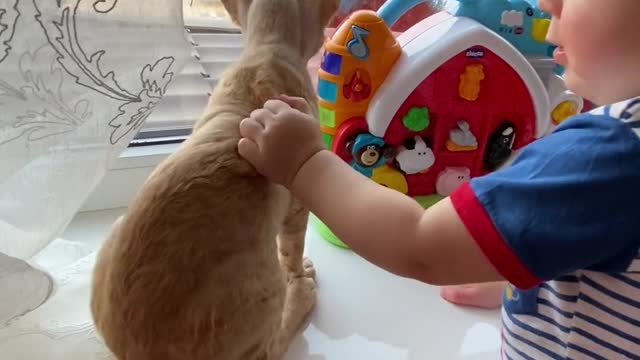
(561, 224)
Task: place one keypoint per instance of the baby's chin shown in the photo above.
(579, 86)
(602, 87)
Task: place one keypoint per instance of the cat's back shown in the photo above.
(195, 256)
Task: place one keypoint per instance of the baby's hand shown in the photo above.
(279, 138)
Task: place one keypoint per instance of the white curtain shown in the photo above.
(77, 80)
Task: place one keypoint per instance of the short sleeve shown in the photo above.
(569, 201)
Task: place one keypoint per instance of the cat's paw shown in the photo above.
(309, 270)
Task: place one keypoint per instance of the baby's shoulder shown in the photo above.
(627, 111)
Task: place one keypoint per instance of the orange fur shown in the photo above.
(193, 270)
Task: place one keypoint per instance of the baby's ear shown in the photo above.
(238, 10)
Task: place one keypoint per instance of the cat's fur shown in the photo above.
(193, 270)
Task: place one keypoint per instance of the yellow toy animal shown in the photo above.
(469, 86)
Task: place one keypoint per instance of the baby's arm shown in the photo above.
(388, 228)
(384, 226)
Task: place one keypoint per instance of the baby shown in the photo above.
(559, 225)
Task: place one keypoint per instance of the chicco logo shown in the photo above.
(475, 53)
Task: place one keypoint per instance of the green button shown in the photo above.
(417, 119)
(327, 117)
(328, 139)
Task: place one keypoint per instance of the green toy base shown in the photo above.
(328, 235)
(429, 200)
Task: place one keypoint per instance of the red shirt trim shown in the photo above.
(486, 235)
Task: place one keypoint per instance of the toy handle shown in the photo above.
(392, 10)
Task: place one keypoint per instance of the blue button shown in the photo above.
(357, 45)
(327, 90)
(331, 63)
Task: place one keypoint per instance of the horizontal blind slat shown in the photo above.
(188, 93)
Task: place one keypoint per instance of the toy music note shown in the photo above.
(357, 46)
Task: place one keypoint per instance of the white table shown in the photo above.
(364, 312)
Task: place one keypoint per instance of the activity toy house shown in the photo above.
(449, 99)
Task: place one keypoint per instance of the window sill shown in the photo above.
(340, 327)
(143, 156)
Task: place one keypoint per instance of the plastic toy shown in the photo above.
(450, 178)
(520, 22)
(415, 156)
(449, 99)
(368, 152)
(499, 146)
(461, 138)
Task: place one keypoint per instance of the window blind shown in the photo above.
(187, 95)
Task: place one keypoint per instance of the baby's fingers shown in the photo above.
(249, 150)
(251, 129)
(297, 103)
(276, 106)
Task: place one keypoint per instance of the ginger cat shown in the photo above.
(193, 270)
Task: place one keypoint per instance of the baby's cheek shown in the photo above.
(597, 37)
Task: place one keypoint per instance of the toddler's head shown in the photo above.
(599, 44)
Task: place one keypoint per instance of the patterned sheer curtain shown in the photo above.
(78, 78)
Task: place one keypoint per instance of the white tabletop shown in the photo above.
(362, 311)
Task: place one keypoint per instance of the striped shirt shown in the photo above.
(561, 225)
